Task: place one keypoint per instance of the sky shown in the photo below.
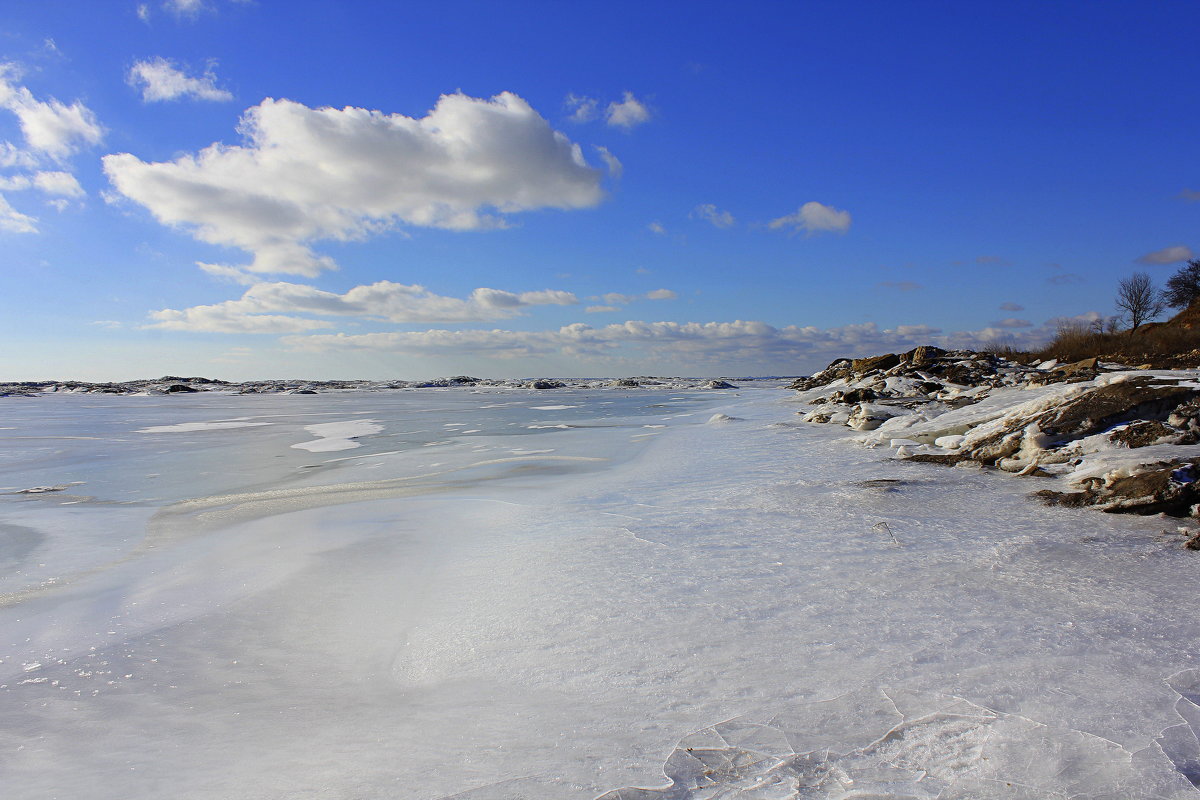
(249, 189)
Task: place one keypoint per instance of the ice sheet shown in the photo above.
(450, 621)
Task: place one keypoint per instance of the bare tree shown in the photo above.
(1184, 286)
(1138, 296)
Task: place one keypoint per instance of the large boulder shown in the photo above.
(862, 366)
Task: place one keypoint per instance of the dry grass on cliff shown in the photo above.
(1158, 344)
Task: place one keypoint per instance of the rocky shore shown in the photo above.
(1089, 433)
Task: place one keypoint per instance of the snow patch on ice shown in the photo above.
(192, 427)
(333, 436)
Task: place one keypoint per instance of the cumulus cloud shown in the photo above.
(627, 114)
(661, 294)
(307, 174)
(1011, 307)
(1168, 255)
(51, 128)
(813, 218)
(271, 307)
(159, 80)
(708, 211)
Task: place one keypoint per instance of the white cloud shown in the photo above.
(813, 218)
(619, 299)
(615, 168)
(722, 345)
(50, 128)
(657, 227)
(270, 307)
(63, 184)
(600, 309)
(584, 108)
(14, 221)
(225, 272)
(184, 8)
(1168, 255)
(629, 113)
(463, 166)
(160, 80)
(143, 12)
(224, 318)
(708, 211)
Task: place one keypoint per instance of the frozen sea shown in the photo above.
(504, 594)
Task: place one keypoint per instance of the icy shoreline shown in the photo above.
(478, 603)
(1087, 434)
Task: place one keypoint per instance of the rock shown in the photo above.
(1143, 433)
(180, 388)
(868, 417)
(542, 383)
(863, 395)
(923, 354)
(625, 383)
(864, 365)
(719, 385)
(1169, 489)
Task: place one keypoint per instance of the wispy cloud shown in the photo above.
(627, 114)
(1011, 307)
(583, 108)
(1168, 255)
(656, 227)
(615, 168)
(709, 212)
(813, 218)
(160, 80)
(1190, 195)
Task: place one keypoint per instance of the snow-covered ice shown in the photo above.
(756, 609)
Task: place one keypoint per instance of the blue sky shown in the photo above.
(336, 190)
